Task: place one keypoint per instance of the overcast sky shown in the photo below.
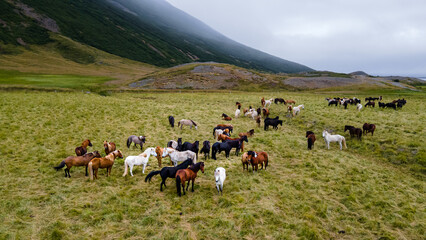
(380, 37)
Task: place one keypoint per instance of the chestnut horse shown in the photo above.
(248, 134)
(109, 147)
(80, 151)
(226, 117)
(77, 161)
(290, 101)
(265, 112)
(262, 101)
(105, 162)
(256, 158)
(187, 174)
(368, 128)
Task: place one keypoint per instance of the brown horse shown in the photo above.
(248, 134)
(258, 121)
(290, 101)
(265, 112)
(80, 151)
(262, 101)
(109, 147)
(311, 139)
(238, 104)
(256, 158)
(159, 152)
(187, 174)
(77, 161)
(290, 109)
(226, 117)
(105, 162)
(245, 161)
(368, 128)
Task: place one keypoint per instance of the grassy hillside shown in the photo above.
(372, 190)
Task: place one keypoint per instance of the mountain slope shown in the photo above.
(153, 32)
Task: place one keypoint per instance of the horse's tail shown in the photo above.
(90, 170)
(344, 142)
(61, 165)
(194, 122)
(129, 141)
(150, 175)
(125, 168)
(178, 182)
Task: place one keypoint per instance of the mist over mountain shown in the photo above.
(148, 31)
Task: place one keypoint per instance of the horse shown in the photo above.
(238, 104)
(206, 149)
(297, 109)
(218, 132)
(332, 101)
(368, 128)
(237, 143)
(187, 122)
(359, 106)
(136, 140)
(222, 137)
(194, 147)
(333, 138)
(219, 177)
(290, 101)
(238, 111)
(245, 161)
(80, 151)
(159, 152)
(391, 105)
(262, 101)
(268, 102)
(105, 162)
(176, 145)
(187, 174)
(219, 147)
(223, 127)
(141, 159)
(353, 131)
(279, 100)
(290, 108)
(311, 139)
(226, 117)
(176, 156)
(382, 105)
(256, 158)
(248, 134)
(371, 104)
(172, 121)
(258, 121)
(272, 122)
(265, 112)
(109, 147)
(168, 172)
(77, 161)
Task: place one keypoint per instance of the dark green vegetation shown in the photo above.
(372, 190)
(153, 32)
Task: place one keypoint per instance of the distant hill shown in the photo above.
(148, 31)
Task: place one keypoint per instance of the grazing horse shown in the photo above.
(368, 128)
(371, 104)
(172, 121)
(105, 162)
(268, 102)
(80, 151)
(290, 101)
(187, 122)
(256, 158)
(206, 149)
(354, 131)
(193, 147)
(311, 139)
(177, 156)
(226, 117)
(141, 159)
(297, 109)
(333, 138)
(168, 172)
(265, 112)
(245, 161)
(272, 122)
(248, 134)
(109, 147)
(238, 111)
(188, 174)
(359, 106)
(224, 138)
(262, 101)
(219, 177)
(219, 147)
(279, 100)
(136, 140)
(77, 161)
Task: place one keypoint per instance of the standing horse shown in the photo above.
(168, 172)
(194, 147)
(238, 111)
(172, 121)
(219, 177)
(219, 147)
(272, 122)
(206, 149)
(237, 143)
(77, 161)
(109, 147)
(80, 151)
(141, 159)
(218, 132)
(262, 101)
(333, 138)
(159, 152)
(265, 112)
(353, 131)
(245, 160)
(187, 122)
(248, 134)
(279, 100)
(290, 101)
(311, 139)
(136, 140)
(268, 102)
(226, 117)
(256, 158)
(105, 162)
(297, 109)
(368, 128)
(372, 104)
(176, 156)
(187, 174)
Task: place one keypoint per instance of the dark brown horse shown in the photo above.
(103, 162)
(80, 151)
(226, 117)
(77, 161)
(265, 112)
(262, 101)
(109, 147)
(187, 174)
(368, 128)
(371, 104)
(279, 100)
(354, 131)
(256, 158)
(311, 139)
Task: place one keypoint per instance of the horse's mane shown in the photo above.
(193, 122)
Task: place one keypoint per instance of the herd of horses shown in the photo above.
(183, 155)
(370, 102)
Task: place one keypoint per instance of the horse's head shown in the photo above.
(244, 138)
(303, 107)
(96, 154)
(202, 167)
(165, 152)
(324, 133)
(90, 144)
(217, 175)
(106, 144)
(119, 154)
(142, 139)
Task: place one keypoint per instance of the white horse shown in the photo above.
(217, 132)
(177, 156)
(268, 102)
(187, 122)
(219, 176)
(359, 106)
(237, 112)
(141, 159)
(296, 110)
(333, 138)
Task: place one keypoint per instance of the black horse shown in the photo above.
(206, 149)
(237, 143)
(332, 102)
(193, 147)
(353, 131)
(279, 100)
(391, 105)
(219, 147)
(166, 172)
(272, 122)
(172, 121)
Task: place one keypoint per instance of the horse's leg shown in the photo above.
(131, 169)
(340, 143)
(66, 174)
(96, 173)
(183, 187)
(86, 171)
(187, 186)
(143, 169)
(192, 185)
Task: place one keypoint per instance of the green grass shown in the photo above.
(374, 189)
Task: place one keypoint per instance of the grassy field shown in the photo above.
(373, 190)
